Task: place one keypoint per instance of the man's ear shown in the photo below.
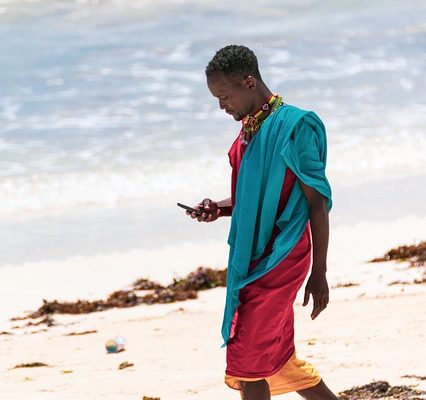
(250, 82)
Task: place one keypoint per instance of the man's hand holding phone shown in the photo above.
(205, 211)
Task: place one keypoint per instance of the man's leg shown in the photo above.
(257, 390)
(318, 392)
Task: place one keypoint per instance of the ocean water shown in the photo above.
(106, 121)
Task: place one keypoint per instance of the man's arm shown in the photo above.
(213, 210)
(317, 285)
(225, 207)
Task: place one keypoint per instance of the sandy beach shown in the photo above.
(176, 353)
(370, 331)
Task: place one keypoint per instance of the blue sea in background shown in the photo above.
(106, 120)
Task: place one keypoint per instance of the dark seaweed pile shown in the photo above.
(382, 390)
(31, 365)
(179, 290)
(415, 254)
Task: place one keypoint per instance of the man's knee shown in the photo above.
(253, 385)
(255, 390)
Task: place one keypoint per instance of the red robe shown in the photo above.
(262, 332)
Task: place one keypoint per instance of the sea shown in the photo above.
(106, 121)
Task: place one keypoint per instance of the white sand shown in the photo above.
(372, 331)
(177, 355)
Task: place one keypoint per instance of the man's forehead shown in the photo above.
(221, 83)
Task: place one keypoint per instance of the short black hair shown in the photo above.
(234, 60)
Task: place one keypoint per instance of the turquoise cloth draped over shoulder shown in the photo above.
(289, 138)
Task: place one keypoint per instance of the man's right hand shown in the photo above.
(210, 211)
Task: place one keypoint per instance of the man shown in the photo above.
(279, 194)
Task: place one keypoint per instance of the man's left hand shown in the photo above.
(317, 286)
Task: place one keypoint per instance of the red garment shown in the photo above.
(262, 332)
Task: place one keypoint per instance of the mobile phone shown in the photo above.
(190, 209)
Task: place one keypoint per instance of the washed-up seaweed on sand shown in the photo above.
(382, 390)
(415, 254)
(419, 377)
(31, 365)
(81, 333)
(125, 364)
(181, 289)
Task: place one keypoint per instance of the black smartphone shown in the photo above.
(190, 209)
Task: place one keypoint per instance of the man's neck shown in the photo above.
(262, 96)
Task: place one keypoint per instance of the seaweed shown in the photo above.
(419, 377)
(125, 364)
(382, 390)
(345, 285)
(146, 284)
(201, 279)
(31, 365)
(81, 333)
(415, 254)
(180, 290)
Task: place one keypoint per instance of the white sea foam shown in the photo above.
(107, 188)
(351, 161)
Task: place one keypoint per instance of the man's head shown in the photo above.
(233, 77)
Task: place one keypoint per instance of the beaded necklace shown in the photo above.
(252, 123)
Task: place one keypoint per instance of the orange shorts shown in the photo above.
(295, 375)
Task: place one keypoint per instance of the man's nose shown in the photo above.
(221, 104)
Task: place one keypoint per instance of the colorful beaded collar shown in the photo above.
(252, 123)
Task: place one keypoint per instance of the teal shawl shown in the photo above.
(289, 138)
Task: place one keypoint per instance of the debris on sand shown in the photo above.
(146, 284)
(201, 279)
(31, 365)
(415, 282)
(415, 254)
(81, 333)
(180, 290)
(345, 285)
(382, 390)
(167, 295)
(150, 398)
(48, 321)
(125, 364)
(419, 377)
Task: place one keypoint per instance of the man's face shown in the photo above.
(234, 94)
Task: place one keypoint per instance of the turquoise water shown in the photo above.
(106, 120)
